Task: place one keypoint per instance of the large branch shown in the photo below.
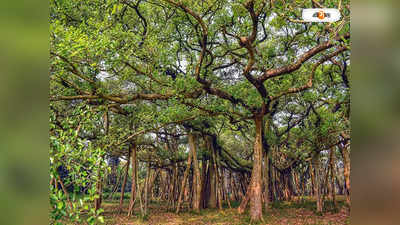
(302, 59)
(128, 98)
(310, 79)
(249, 5)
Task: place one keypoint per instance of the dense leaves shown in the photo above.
(146, 73)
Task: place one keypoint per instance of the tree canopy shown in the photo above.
(238, 85)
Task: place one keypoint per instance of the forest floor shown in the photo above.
(279, 213)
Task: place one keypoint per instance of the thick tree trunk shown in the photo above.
(254, 192)
(121, 200)
(134, 178)
(197, 181)
(266, 181)
(256, 181)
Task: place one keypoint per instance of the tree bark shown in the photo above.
(205, 184)
(185, 175)
(99, 191)
(146, 189)
(317, 187)
(117, 184)
(312, 175)
(213, 180)
(244, 202)
(99, 185)
(346, 171)
(266, 181)
(219, 188)
(134, 178)
(121, 199)
(254, 192)
(197, 182)
(332, 176)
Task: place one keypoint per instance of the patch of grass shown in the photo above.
(116, 196)
(309, 204)
(144, 218)
(235, 204)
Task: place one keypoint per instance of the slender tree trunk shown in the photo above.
(332, 175)
(312, 175)
(121, 199)
(185, 175)
(296, 185)
(340, 184)
(146, 189)
(212, 202)
(218, 178)
(134, 178)
(98, 200)
(173, 185)
(346, 172)
(213, 179)
(205, 183)
(197, 183)
(151, 183)
(219, 188)
(115, 189)
(139, 193)
(317, 187)
(164, 185)
(227, 187)
(244, 202)
(273, 186)
(99, 185)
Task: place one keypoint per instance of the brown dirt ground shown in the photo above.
(160, 215)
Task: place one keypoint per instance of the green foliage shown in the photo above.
(83, 161)
(111, 57)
